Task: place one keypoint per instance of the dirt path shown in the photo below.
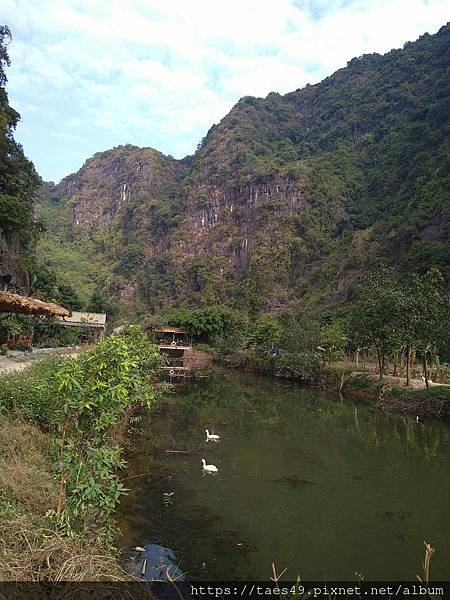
(417, 384)
(18, 361)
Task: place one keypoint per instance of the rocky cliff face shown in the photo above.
(108, 181)
(288, 198)
(13, 269)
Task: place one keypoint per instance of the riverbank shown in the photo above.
(391, 394)
(31, 547)
(61, 436)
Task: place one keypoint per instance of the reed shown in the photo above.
(429, 551)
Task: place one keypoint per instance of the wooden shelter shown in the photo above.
(93, 322)
(14, 303)
(172, 337)
(175, 343)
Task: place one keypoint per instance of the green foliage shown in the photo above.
(45, 331)
(299, 332)
(80, 400)
(333, 341)
(27, 392)
(99, 303)
(302, 365)
(47, 286)
(12, 325)
(439, 394)
(130, 261)
(265, 334)
(77, 264)
(48, 333)
(426, 314)
(391, 314)
(206, 323)
(18, 178)
(284, 347)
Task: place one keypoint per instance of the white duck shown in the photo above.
(212, 436)
(209, 468)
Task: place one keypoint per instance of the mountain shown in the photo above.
(287, 201)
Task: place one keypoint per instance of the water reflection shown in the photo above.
(322, 485)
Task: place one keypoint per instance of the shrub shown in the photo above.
(80, 400)
(300, 365)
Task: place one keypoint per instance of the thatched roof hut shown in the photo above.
(14, 303)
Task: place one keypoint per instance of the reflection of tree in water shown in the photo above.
(376, 429)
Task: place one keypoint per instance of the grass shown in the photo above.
(26, 466)
(438, 393)
(30, 553)
(433, 402)
(30, 549)
(20, 390)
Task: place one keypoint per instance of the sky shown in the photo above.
(88, 75)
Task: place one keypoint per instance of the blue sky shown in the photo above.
(87, 75)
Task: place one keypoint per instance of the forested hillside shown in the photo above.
(18, 185)
(287, 202)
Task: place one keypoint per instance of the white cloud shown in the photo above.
(88, 74)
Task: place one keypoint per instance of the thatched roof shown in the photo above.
(14, 303)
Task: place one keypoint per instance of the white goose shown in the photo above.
(209, 468)
(212, 436)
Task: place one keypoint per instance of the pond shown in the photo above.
(322, 485)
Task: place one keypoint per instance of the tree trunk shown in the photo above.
(357, 357)
(395, 364)
(425, 369)
(408, 364)
(380, 365)
(402, 362)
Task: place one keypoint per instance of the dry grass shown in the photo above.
(25, 465)
(31, 554)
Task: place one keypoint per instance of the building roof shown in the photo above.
(170, 330)
(84, 319)
(15, 303)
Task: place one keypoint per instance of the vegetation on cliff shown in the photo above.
(288, 201)
(18, 186)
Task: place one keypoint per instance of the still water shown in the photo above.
(321, 485)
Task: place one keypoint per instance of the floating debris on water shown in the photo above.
(156, 563)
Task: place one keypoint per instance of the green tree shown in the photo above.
(376, 315)
(265, 333)
(18, 178)
(426, 316)
(205, 323)
(333, 340)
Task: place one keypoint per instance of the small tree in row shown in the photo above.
(392, 315)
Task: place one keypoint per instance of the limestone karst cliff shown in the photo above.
(288, 199)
